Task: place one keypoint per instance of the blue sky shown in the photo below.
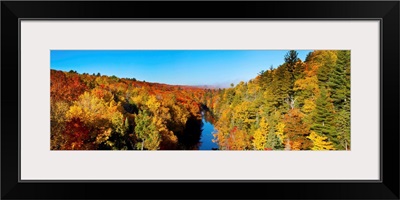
(177, 67)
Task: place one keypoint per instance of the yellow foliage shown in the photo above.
(96, 112)
(241, 113)
(102, 94)
(58, 111)
(264, 125)
(309, 84)
(222, 125)
(253, 89)
(279, 130)
(74, 111)
(260, 135)
(320, 142)
(259, 139)
(102, 137)
(181, 114)
(309, 106)
(153, 104)
(319, 58)
(137, 99)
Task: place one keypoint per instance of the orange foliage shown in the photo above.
(63, 87)
(296, 130)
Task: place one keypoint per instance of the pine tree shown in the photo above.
(308, 57)
(291, 59)
(338, 81)
(299, 69)
(327, 62)
(273, 140)
(342, 123)
(290, 63)
(280, 88)
(323, 117)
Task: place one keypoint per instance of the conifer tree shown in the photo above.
(323, 117)
(273, 140)
(327, 62)
(338, 81)
(290, 61)
(342, 123)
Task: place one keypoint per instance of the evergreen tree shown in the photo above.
(338, 81)
(273, 141)
(299, 69)
(345, 59)
(280, 88)
(342, 123)
(327, 62)
(308, 57)
(290, 61)
(323, 117)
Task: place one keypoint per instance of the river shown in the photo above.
(207, 135)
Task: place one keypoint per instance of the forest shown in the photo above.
(298, 105)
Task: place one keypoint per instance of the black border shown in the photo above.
(195, 180)
(386, 11)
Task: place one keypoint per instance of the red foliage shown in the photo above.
(234, 129)
(65, 88)
(77, 135)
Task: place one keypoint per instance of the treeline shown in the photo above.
(90, 112)
(300, 105)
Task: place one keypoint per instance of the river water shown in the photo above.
(207, 136)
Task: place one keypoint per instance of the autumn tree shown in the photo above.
(260, 135)
(296, 106)
(65, 87)
(320, 142)
(76, 135)
(296, 130)
(147, 132)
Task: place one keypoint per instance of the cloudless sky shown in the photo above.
(176, 67)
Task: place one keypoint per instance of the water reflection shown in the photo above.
(207, 132)
(198, 133)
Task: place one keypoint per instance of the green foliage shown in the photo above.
(146, 131)
(339, 82)
(273, 140)
(295, 106)
(323, 118)
(296, 99)
(342, 124)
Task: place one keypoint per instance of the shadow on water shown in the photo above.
(198, 133)
(190, 138)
